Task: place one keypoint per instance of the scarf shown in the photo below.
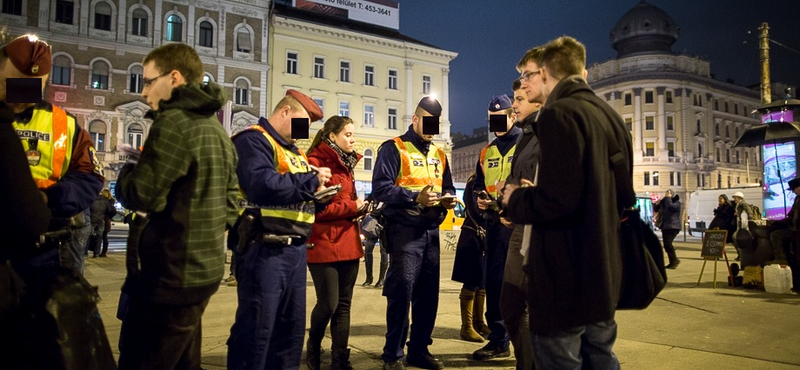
(348, 159)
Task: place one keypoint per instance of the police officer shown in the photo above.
(492, 169)
(278, 215)
(60, 153)
(412, 178)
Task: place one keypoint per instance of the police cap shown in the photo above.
(499, 103)
(30, 55)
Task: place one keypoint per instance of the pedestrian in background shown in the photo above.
(670, 209)
(372, 236)
(724, 217)
(111, 211)
(744, 214)
(98, 224)
(183, 189)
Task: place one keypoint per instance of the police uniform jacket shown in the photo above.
(574, 264)
(336, 236)
(401, 205)
(504, 144)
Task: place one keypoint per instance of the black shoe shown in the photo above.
(312, 355)
(379, 283)
(674, 264)
(368, 282)
(394, 365)
(103, 255)
(491, 351)
(424, 361)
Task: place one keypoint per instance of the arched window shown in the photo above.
(62, 70)
(102, 16)
(100, 75)
(368, 159)
(139, 22)
(241, 92)
(206, 38)
(136, 79)
(135, 133)
(97, 130)
(243, 43)
(174, 28)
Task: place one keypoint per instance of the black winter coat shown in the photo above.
(670, 209)
(724, 219)
(468, 265)
(574, 264)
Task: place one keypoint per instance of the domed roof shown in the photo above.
(645, 29)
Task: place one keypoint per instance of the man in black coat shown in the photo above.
(670, 209)
(573, 261)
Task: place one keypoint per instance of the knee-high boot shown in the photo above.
(340, 359)
(477, 318)
(382, 274)
(468, 333)
(368, 267)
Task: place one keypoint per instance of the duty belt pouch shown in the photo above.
(247, 233)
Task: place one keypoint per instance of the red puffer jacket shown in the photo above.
(335, 236)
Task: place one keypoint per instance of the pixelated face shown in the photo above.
(416, 124)
(7, 70)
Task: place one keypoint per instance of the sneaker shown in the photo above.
(232, 281)
(424, 361)
(491, 351)
(394, 365)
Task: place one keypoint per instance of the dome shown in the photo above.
(645, 29)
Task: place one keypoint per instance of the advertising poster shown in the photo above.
(778, 200)
(383, 13)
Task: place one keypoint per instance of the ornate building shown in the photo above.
(683, 122)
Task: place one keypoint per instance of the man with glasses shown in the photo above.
(573, 257)
(183, 187)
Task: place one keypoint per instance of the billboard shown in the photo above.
(384, 13)
(780, 166)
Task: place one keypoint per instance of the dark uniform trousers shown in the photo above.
(270, 320)
(412, 279)
(497, 237)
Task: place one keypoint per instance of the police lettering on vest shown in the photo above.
(47, 140)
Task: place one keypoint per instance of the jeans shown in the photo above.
(582, 347)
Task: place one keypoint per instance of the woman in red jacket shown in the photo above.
(333, 261)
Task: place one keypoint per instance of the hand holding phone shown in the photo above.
(426, 197)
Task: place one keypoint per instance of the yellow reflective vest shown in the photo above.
(418, 170)
(496, 167)
(47, 140)
(291, 219)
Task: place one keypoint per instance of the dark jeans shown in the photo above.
(160, 336)
(669, 236)
(583, 347)
(514, 308)
(333, 283)
(369, 246)
(497, 237)
(96, 241)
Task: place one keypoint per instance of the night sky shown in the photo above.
(491, 36)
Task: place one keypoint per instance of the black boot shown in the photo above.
(673, 260)
(368, 267)
(312, 355)
(382, 275)
(340, 359)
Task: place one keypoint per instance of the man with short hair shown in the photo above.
(574, 258)
(183, 188)
(277, 195)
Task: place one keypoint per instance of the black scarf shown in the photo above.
(349, 159)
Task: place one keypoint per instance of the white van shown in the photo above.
(702, 202)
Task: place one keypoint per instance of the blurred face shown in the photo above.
(737, 199)
(346, 139)
(416, 124)
(531, 79)
(669, 193)
(522, 107)
(721, 200)
(509, 122)
(7, 70)
(157, 86)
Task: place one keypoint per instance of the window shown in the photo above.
(698, 100)
(648, 97)
(735, 108)
(65, 11)
(369, 75)
(629, 123)
(716, 129)
(344, 71)
(718, 155)
(174, 28)
(650, 149)
(699, 126)
(393, 79)
(206, 37)
(738, 157)
(100, 75)
(243, 43)
(649, 123)
(727, 131)
(344, 109)
(699, 150)
(241, 92)
(62, 70)
(139, 22)
(13, 7)
(716, 104)
(727, 156)
(291, 63)
(369, 115)
(135, 133)
(319, 67)
(102, 17)
(726, 107)
(672, 178)
(719, 180)
(392, 118)
(97, 130)
(135, 81)
(646, 178)
(655, 178)
(678, 179)
(744, 110)
(736, 132)
(628, 99)
(367, 159)
(670, 123)
(668, 96)
(671, 149)
(426, 84)
(321, 103)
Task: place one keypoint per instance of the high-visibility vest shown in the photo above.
(496, 167)
(288, 220)
(418, 170)
(47, 140)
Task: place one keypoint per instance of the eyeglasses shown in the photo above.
(148, 82)
(528, 75)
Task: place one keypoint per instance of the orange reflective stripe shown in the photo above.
(283, 165)
(405, 159)
(60, 138)
(483, 157)
(443, 159)
(409, 181)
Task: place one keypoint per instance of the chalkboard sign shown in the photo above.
(713, 243)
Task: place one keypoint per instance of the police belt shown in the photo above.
(284, 240)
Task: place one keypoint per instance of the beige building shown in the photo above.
(466, 152)
(683, 122)
(98, 46)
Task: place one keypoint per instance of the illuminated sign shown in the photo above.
(780, 166)
(383, 13)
